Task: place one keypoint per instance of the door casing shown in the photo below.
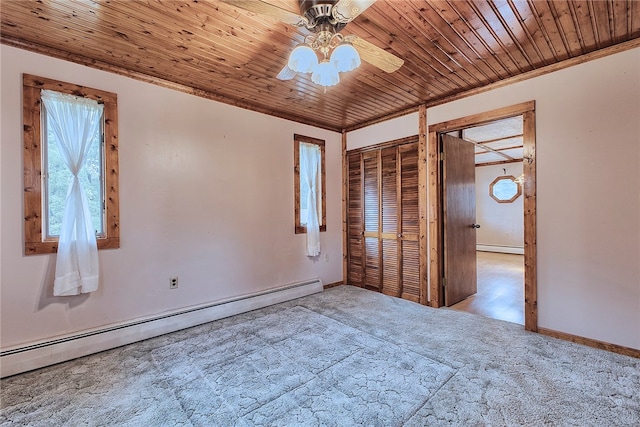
(435, 185)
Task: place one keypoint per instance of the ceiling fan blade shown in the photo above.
(374, 55)
(286, 73)
(347, 10)
(262, 8)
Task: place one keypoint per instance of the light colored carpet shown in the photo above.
(344, 357)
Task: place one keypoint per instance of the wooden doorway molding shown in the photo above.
(434, 182)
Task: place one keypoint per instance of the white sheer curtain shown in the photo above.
(74, 122)
(309, 165)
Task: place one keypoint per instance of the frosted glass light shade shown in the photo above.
(345, 58)
(325, 74)
(303, 59)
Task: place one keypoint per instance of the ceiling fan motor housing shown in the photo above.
(318, 12)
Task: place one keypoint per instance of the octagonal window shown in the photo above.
(505, 189)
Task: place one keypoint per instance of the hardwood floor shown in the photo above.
(500, 288)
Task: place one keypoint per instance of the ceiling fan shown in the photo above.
(325, 19)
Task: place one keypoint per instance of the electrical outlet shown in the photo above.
(326, 257)
(173, 282)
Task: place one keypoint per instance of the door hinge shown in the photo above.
(442, 156)
(444, 282)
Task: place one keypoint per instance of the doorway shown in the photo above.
(493, 229)
(441, 266)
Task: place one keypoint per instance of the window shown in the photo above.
(505, 189)
(46, 177)
(56, 177)
(301, 191)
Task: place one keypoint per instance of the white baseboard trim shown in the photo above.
(501, 249)
(36, 355)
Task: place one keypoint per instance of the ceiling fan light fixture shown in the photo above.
(303, 59)
(345, 57)
(325, 74)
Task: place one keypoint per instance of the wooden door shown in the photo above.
(389, 236)
(355, 225)
(371, 183)
(409, 222)
(383, 220)
(459, 214)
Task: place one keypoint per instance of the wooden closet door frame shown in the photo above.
(422, 198)
(435, 184)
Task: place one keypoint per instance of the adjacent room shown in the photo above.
(340, 212)
(499, 219)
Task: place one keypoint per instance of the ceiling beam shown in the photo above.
(490, 141)
(502, 149)
(489, 149)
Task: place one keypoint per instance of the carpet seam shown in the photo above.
(430, 397)
(385, 340)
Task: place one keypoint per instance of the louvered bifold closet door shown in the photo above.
(355, 271)
(409, 222)
(370, 165)
(389, 221)
(383, 221)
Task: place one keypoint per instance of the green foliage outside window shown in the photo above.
(59, 179)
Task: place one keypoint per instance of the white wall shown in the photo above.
(501, 224)
(397, 128)
(588, 191)
(206, 193)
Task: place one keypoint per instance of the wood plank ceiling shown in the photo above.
(222, 52)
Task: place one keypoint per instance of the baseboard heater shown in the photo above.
(519, 250)
(36, 355)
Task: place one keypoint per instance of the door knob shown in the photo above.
(475, 225)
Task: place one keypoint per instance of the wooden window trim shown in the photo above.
(297, 139)
(32, 158)
(501, 178)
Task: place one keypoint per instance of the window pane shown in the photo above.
(57, 183)
(90, 178)
(304, 194)
(319, 188)
(304, 190)
(58, 178)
